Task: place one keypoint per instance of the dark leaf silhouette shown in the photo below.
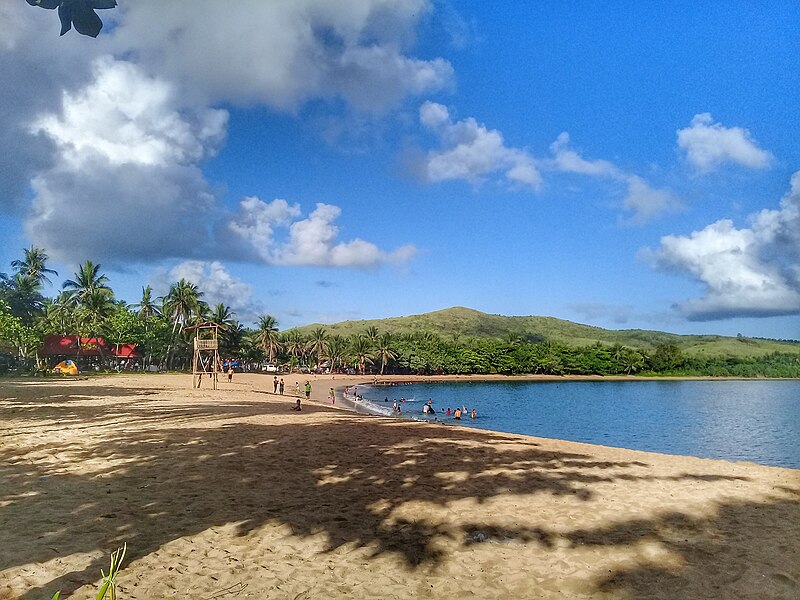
(77, 13)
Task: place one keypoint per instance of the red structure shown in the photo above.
(72, 345)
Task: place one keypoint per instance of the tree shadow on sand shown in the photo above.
(159, 483)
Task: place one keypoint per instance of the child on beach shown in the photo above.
(297, 406)
(332, 396)
(308, 390)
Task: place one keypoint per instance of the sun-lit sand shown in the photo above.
(230, 494)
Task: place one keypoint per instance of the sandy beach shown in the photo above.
(230, 494)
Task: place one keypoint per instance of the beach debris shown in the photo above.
(233, 590)
(477, 538)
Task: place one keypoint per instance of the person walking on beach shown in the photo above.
(308, 390)
(297, 387)
(275, 384)
(332, 396)
(280, 386)
(230, 374)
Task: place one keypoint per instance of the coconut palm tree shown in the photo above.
(87, 280)
(337, 350)
(295, 345)
(22, 295)
(267, 336)
(60, 314)
(147, 305)
(33, 265)
(372, 333)
(385, 352)
(318, 344)
(222, 315)
(95, 307)
(182, 304)
(360, 348)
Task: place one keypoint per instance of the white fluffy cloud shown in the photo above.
(124, 184)
(217, 284)
(752, 271)
(274, 232)
(283, 53)
(126, 117)
(471, 152)
(709, 145)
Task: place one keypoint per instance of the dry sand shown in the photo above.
(229, 494)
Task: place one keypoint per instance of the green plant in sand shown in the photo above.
(108, 584)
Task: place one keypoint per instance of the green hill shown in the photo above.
(459, 322)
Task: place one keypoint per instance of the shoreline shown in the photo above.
(371, 408)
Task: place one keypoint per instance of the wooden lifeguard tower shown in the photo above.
(206, 359)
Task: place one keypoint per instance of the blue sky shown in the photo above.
(625, 165)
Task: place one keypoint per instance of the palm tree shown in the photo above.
(233, 338)
(632, 361)
(147, 305)
(181, 304)
(360, 347)
(295, 345)
(337, 349)
(60, 314)
(222, 315)
(318, 344)
(267, 336)
(22, 295)
(372, 334)
(87, 280)
(513, 340)
(33, 265)
(384, 350)
(95, 308)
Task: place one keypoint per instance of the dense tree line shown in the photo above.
(86, 306)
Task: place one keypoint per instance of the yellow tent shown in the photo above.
(66, 367)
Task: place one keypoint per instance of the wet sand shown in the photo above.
(229, 493)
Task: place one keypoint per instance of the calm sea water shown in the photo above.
(756, 421)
